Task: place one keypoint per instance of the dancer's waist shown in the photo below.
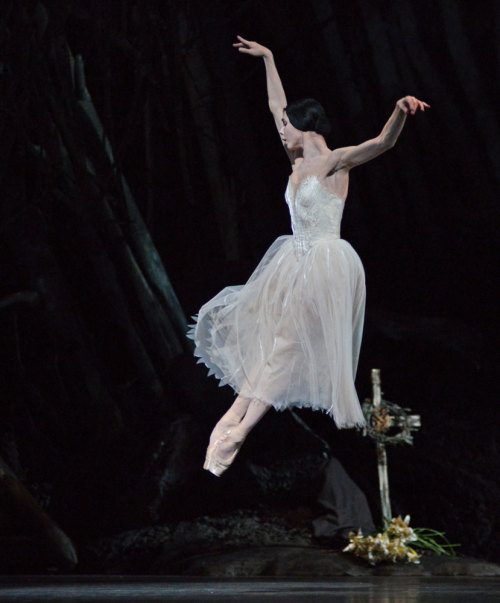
(303, 243)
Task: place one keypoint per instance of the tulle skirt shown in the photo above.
(291, 335)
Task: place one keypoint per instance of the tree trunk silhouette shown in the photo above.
(92, 321)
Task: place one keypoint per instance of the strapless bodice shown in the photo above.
(315, 213)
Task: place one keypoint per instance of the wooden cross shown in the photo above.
(386, 423)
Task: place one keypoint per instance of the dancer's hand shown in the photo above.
(253, 48)
(410, 104)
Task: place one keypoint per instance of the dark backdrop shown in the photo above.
(187, 117)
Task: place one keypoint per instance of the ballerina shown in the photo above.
(291, 335)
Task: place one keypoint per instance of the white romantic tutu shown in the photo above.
(291, 335)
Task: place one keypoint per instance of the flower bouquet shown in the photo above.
(393, 544)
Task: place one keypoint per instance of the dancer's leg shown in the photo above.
(231, 418)
(255, 411)
(221, 452)
(236, 411)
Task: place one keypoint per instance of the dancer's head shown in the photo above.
(299, 117)
(307, 115)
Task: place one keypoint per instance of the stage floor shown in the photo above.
(146, 589)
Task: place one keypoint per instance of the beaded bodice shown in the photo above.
(315, 213)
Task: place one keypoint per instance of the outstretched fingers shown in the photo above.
(416, 104)
(253, 48)
(243, 45)
(410, 105)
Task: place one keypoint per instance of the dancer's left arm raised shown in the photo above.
(349, 157)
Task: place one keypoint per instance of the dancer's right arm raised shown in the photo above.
(276, 94)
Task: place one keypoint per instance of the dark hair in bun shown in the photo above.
(308, 115)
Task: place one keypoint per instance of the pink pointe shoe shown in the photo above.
(216, 465)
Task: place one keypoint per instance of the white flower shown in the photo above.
(389, 545)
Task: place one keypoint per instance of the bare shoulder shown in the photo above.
(334, 162)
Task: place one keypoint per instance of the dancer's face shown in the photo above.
(292, 137)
